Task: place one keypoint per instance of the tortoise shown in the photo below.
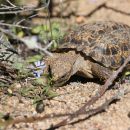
(92, 50)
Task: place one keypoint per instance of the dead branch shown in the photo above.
(100, 93)
(104, 106)
(12, 25)
(30, 119)
(44, 50)
(13, 9)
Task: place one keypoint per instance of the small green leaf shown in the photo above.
(33, 59)
(20, 34)
(127, 73)
(36, 29)
(18, 66)
(51, 94)
(39, 81)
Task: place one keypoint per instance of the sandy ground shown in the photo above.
(73, 95)
(84, 11)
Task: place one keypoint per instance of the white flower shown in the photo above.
(38, 68)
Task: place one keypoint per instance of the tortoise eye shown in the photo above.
(63, 76)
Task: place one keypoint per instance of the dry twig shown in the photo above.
(104, 106)
(44, 50)
(12, 25)
(13, 9)
(30, 119)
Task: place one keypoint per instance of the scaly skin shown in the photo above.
(63, 66)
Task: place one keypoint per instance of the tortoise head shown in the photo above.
(60, 68)
(60, 73)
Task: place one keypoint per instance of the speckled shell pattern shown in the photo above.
(106, 42)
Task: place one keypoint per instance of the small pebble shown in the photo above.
(40, 107)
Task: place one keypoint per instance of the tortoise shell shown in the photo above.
(107, 43)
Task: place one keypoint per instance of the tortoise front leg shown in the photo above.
(88, 69)
(100, 71)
